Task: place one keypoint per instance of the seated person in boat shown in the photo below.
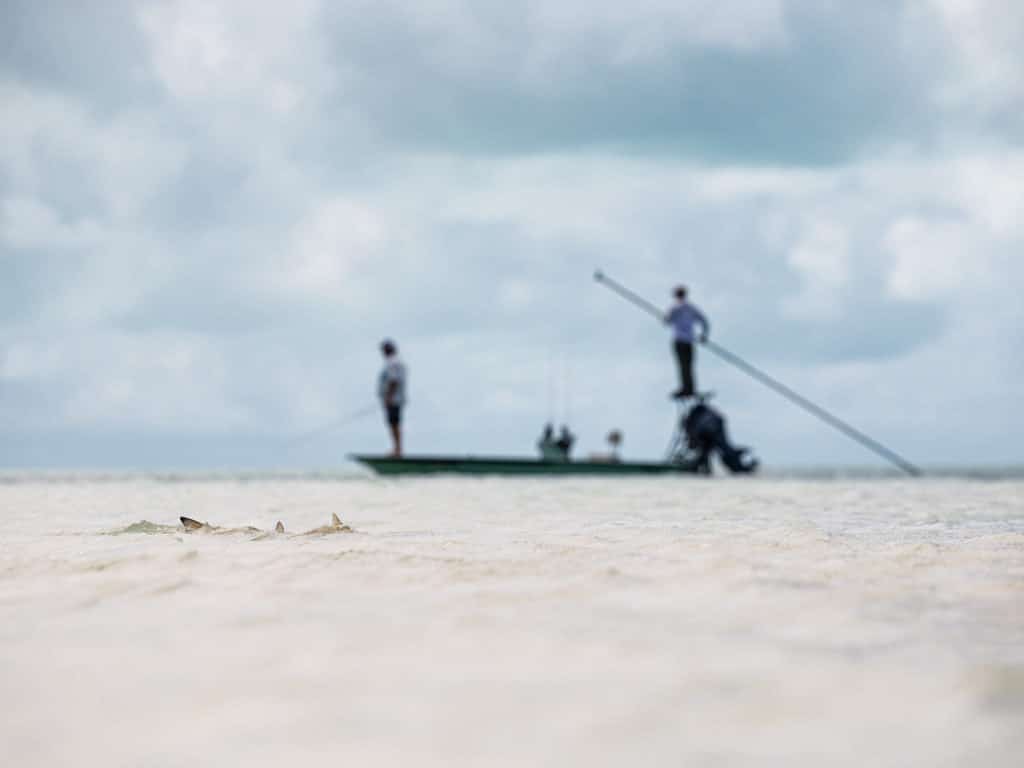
(552, 449)
(548, 446)
(565, 441)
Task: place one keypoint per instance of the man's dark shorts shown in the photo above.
(394, 415)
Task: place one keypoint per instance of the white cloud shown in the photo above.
(26, 361)
(167, 381)
(820, 257)
(125, 159)
(730, 184)
(330, 246)
(348, 257)
(481, 263)
(988, 188)
(28, 223)
(986, 35)
(932, 259)
(516, 295)
(133, 158)
(224, 50)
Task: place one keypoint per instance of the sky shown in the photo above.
(212, 211)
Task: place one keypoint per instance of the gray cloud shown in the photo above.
(210, 214)
(839, 84)
(92, 49)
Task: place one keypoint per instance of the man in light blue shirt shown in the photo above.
(684, 317)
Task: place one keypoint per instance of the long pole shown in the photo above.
(770, 382)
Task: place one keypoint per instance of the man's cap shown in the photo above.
(679, 289)
(388, 345)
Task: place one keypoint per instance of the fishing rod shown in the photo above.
(339, 422)
(291, 445)
(770, 382)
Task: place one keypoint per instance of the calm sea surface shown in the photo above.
(512, 622)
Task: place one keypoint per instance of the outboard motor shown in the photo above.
(704, 429)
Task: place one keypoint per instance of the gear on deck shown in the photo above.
(701, 434)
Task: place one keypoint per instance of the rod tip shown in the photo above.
(598, 275)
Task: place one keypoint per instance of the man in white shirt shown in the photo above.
(683, 317)
(391, 390)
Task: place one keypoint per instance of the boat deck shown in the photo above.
(471, 465)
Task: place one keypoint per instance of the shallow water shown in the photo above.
(785, 621)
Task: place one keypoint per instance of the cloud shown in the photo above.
(210, 213)
(820, 257)
(329, 247)
(58, 149)
(27, 223)
(697, 81)
(233, 51)
(94, 50)
(984, 37)
(165, 381)
(932, 259)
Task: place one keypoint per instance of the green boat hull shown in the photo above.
(469, 465)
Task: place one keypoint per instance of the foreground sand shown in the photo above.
(513, 622)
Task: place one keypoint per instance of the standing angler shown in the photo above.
(683, 317)
(391, 390)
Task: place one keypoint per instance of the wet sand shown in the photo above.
(789, 622)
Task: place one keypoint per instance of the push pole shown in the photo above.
(770, 382)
